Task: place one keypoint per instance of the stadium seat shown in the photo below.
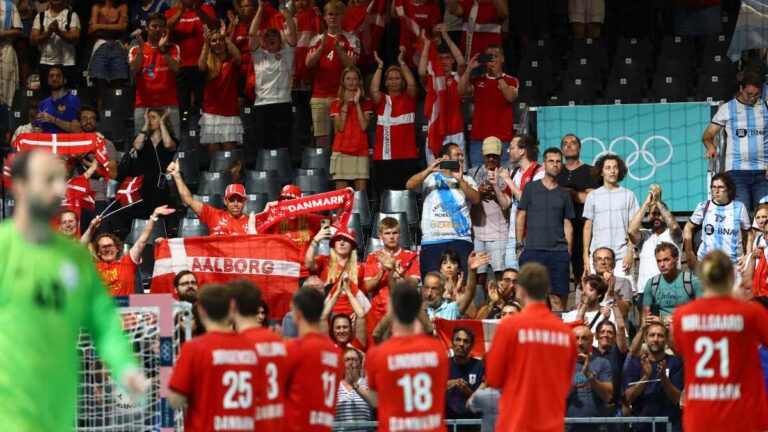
(719, 65)
(542, 50)
(224, 160)
(120, 100)
(23, 98)
(266, 182)
(16, 119)
(624, 90)
(112, 125)
(402, 219)
(677, 67)
(669, 89)
(255, 202)
(191, 121)
(275, 160)
(593, 49)
(530, 94)
(85, 94)
(190, 140)
(247, 117)
(192, 228)
(316, 158)
(372, 245)
(715, 44)
(678, 47)
(536, 73)
(249, 146)
(214, 184)
(639, 49)
(205, 199)
(311, 185)
(146, 267)
(395, 201)
(631, 68)
(189, 165)
(112, 187)
(354, 224)
(714, 88)
(577, 90)
(319, 172)
(362, 207)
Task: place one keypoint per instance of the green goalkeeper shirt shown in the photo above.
(48, 293)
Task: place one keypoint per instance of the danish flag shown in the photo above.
(128, 193)
(79, 194)
(435, 109)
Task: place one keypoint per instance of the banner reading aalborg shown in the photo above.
(269, 261)
(660, 143)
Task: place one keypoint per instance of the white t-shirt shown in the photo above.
(273, 75)
(648, 267)
(9, 19)
(56, 50)
(445, 216)
(589, 317)
(517, 179)
(610, 212)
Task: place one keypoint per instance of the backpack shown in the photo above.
(687, 285)
(67, 26)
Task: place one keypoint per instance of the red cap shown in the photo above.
(346, 235)
(290, 192)
(234, 189)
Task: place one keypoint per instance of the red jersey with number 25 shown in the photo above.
(273, 359)
(718, 339)
(217, 372)
(410, 374)
(315, 368)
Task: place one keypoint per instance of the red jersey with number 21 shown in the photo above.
(315, 368)
(217, 372)
(718, 339)
(273, 358)
(410, 374)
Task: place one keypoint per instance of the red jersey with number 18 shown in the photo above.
(718, 338)
(410, 374)
(273, 359)
(216, 372)
(315, 368)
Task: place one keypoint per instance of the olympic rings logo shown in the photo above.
(634, 157)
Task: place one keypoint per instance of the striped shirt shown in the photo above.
(721, 227)
(745, 127)
(351, 407)
(9, 18)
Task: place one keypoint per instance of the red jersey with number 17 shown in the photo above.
(410, 374)
(217, 373)
(315, 368)
(718, 339)
(273, 359)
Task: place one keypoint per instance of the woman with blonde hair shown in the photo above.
(342, 264)
(351, 113)
(220, 125)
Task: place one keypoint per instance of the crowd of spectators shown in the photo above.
(491, 199)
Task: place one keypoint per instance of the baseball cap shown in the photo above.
(491, 145)
(234, 189)
(348, 235)
(290, 192)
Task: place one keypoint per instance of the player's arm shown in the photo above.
(176, 400)
(141, 242)
(186, 195)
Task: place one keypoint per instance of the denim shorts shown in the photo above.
(109, 62)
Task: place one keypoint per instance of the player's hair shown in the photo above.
(578, 140)
(530, 145)
(215, 300)
(667, 246)
(753, 79)
(553, 150)
(388, 223)
(716, 272)
(597, 283)
(181, 274)
(608, 323)
(534, 279)
(445, 150)
(597, 170)
(406, 303)
(334, 6)
(655, 323)
(247, 297)
(63, 212)
(466, 330)
(730, 186)
(88, 108)
(114, 238)
(310, 303)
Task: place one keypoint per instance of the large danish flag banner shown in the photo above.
(67, 144)
(269, 261)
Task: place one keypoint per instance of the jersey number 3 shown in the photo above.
(706, 347)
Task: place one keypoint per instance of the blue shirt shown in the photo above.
(474, 374)
(447, 310)
(64, 108)
(764, 363)
(139, 15)
(583, 401)
(653, 401)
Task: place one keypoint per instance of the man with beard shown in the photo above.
(663, 228)
(58, 112)
(186, 287)
(88, 118)
(672, 288)
(465, 374)
(653, 382)
(592, 384)
(499, 296)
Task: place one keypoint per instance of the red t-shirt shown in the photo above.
(356, 286)
(487, 29)
(120, 276)
(395, 128)
(294, 230)
(309, 23)
(410, 262)
(189, 33)
(273, 361)
(242, 42)
(415, 18)
(220, 222)
(351, 140)
(493, 114)
(220, 95)
(531, 351)
(156, 82)
(410, 374)
(327, 82)
(315, 368)
(717, 338)
(217, 372)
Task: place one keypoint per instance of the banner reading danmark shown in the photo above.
(269, 261)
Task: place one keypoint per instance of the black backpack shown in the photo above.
(67, 26)
(687, 285)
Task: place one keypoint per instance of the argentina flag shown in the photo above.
(751, 30)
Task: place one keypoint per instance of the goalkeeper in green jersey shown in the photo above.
(49, 291)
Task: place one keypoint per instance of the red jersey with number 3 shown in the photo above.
(218, 374)
(718, 339)
(410, 374)
(315, 368)
(273, 359)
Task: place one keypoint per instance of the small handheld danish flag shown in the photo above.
(128, 193)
